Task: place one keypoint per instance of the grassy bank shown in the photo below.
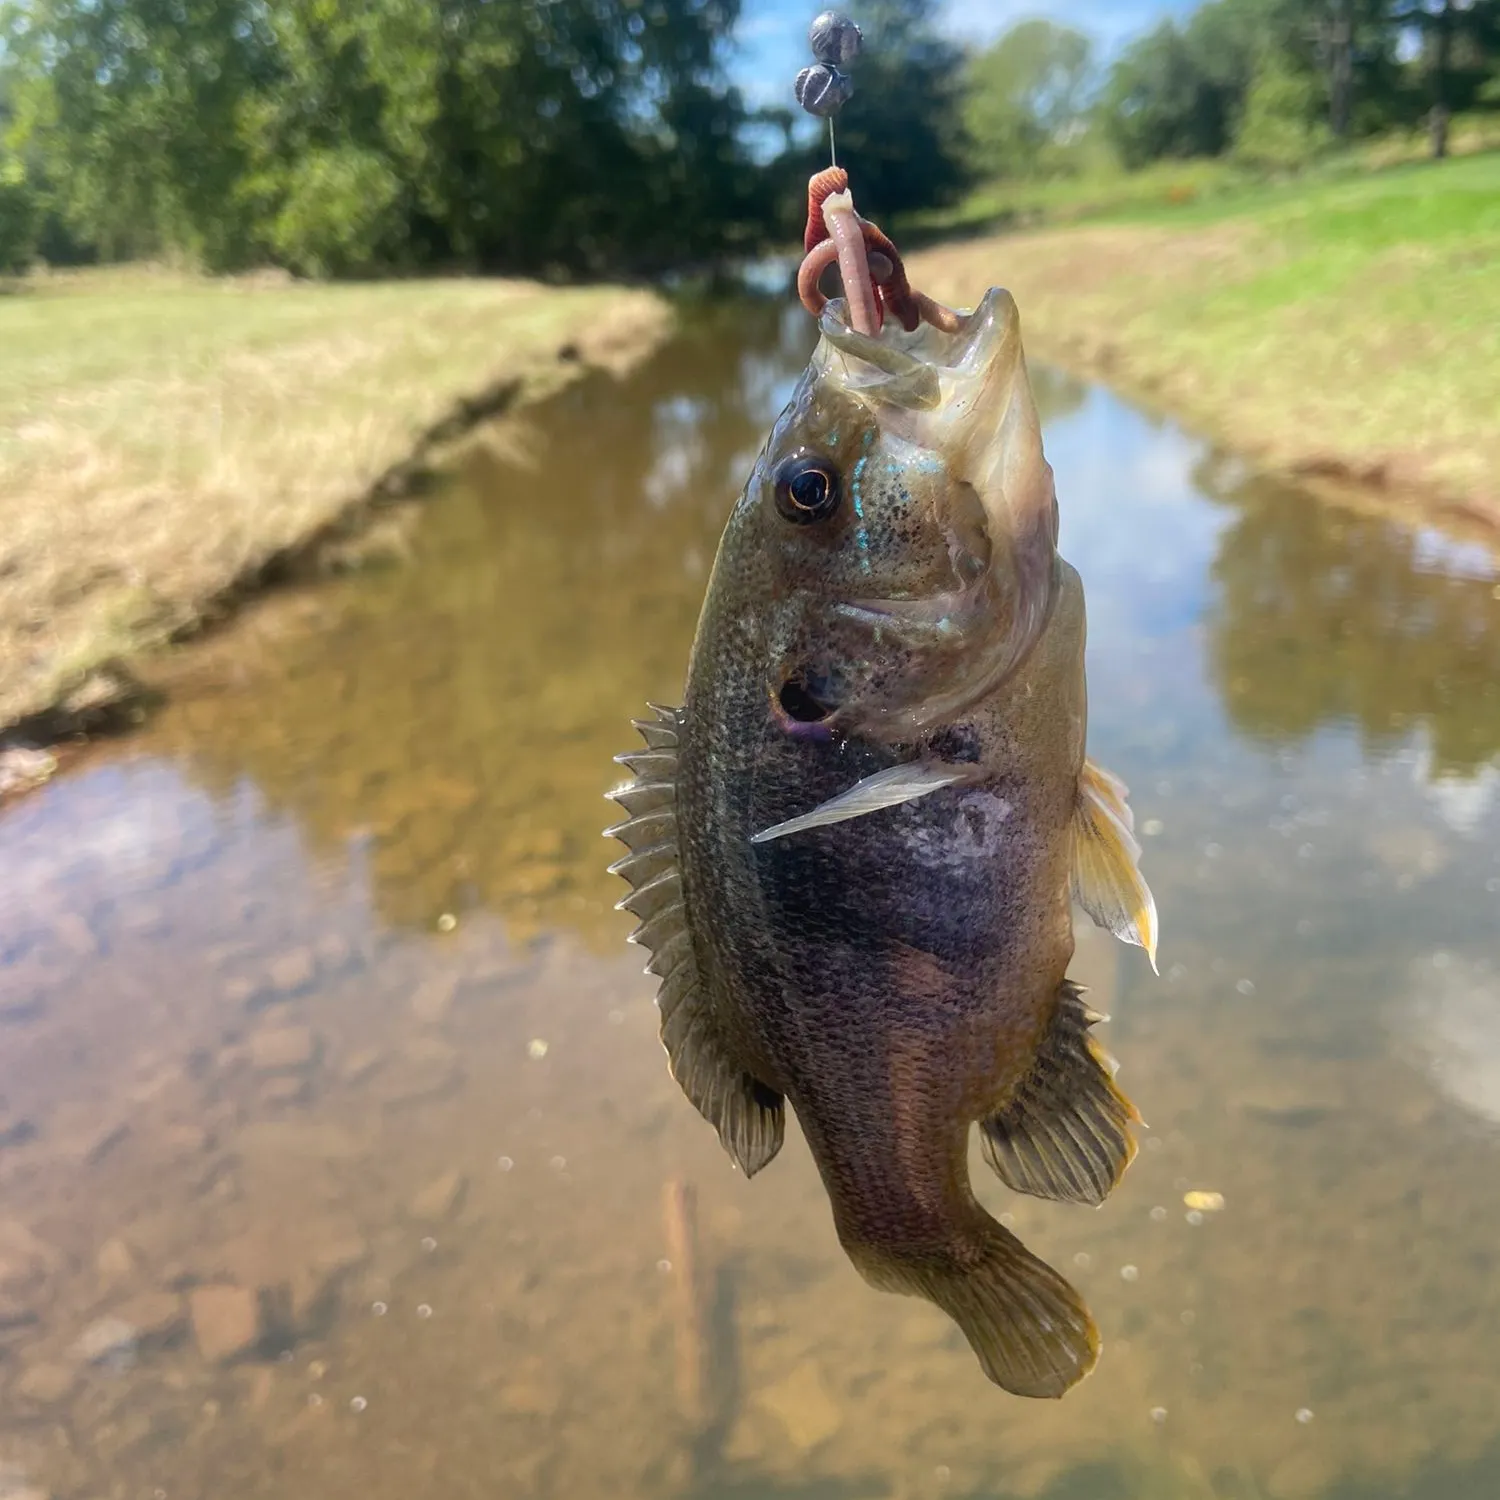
(1219, 184)
(1347, 327)
(166, 440)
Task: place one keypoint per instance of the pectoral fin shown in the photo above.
(749, 1116)
(1107, 880)
(888, 788)
(1065, 1132)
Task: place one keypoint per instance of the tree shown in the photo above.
(1159, 100)
(18, 207)
(1024, 93)
(18, 217)
(128, 108)
(1274, 68)
(552, 136)
(1459, 44)
(1337, 38)
(1279, 126)
(585, 134)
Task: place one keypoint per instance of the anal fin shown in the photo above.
(1107, 880)
(1065, 1133)
(749, 1116)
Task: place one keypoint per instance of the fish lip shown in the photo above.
(915, 370)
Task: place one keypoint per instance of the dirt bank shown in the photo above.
(168, 443)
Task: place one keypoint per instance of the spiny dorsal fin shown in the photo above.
(1107, 881)
(749, 1116)
(1065, 1133)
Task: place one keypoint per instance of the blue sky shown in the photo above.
(772, 37)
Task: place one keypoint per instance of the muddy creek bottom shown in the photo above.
(338, 1156)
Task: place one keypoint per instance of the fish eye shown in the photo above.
(807, 489)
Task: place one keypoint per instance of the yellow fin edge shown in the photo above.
(1107, 881)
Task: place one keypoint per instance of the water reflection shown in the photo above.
(1326, 615)
(481, 691)
(334, 1129)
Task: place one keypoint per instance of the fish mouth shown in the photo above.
(923, 370)
(965, 395)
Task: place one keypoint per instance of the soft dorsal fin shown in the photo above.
(1065, 1132)
(1107, 881)
(749, 1116)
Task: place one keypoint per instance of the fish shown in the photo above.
(854, 848)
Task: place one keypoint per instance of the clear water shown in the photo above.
(337, 1154)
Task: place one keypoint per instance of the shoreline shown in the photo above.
(209, 546)
(1385, 484)
(1163, 313)
(1381, 485)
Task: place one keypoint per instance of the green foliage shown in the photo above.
(339, 214)
(553, 136)
(127, 106)
(590, 137)
(1181, 91)
(1026, 96)
(1279, 128)
(18, 217)
(18, 205)
(1267, 76)
(1459, 48)
(1159, 101)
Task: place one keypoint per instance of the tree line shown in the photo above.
(593, 137)
(337, 138)
(1271, 82)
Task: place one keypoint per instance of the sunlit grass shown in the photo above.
(1189, 191)
(163, 436)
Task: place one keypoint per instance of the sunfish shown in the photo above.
(854, 848)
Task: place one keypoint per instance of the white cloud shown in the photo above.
(1450, 1023)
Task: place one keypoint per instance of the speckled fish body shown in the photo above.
(855, 848)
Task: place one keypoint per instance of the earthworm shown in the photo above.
(874, 275)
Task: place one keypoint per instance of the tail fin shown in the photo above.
(1030, 1329)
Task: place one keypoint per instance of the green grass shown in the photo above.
(1184, 192)
(1342, 323)
(163, 436)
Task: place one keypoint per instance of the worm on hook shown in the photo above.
(873, 273)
